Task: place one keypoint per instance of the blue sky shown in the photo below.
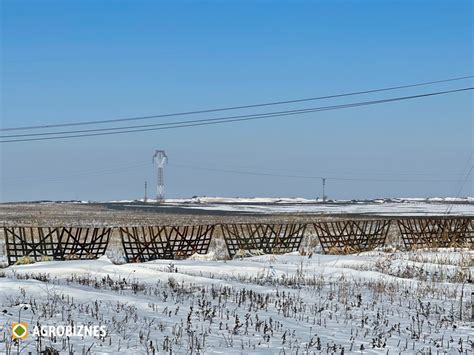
(66, 61)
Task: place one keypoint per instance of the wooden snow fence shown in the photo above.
(253, 239)
(436, 232)
(351, 236)
(29, 244)
(144, 243)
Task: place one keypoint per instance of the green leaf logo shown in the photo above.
(19, 330)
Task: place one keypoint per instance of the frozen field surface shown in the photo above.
(375, 302)
(397, 206)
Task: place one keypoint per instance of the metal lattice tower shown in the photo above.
(160, 158)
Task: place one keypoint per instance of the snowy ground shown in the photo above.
(369, 208)
(399, 206)
(376, 302)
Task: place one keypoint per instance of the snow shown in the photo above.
(297, 200)
(463, 206)
(376, 301)
(399, 209)
(409, 208)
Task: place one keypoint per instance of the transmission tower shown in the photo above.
(160, 158)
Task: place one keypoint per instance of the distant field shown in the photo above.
(212, 210)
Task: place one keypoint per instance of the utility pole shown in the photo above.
(160, 158)
(324, 185)
(146, 198)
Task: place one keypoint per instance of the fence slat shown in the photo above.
(436, 232)
(262, 238)
(351, 236)
(58, 243)
(165, 242)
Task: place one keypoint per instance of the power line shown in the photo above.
(233, 169)
(82, 173)
(351, 172)
(311, 177)
(83, 123)
(463, 182)
(114, 170)
(211, 121)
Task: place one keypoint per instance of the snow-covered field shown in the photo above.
(399, 206)
(389, 208)
(374, 302)
(387, 302)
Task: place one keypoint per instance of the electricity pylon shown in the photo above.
(160, 158)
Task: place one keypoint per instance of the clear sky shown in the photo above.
(67, 61)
